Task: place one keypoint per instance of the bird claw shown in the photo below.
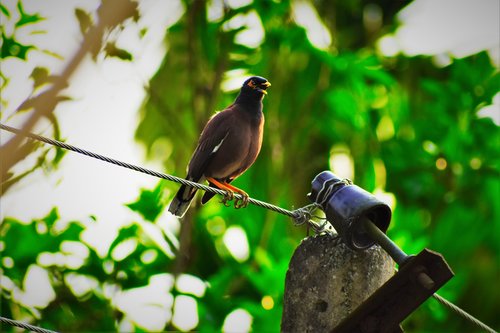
(229, 196)
(238, 203)
(241, 202)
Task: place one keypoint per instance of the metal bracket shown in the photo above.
(418, 278)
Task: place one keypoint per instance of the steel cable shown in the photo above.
(300, 215)
(25, 326)
(443, 301)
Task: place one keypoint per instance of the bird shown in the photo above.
(228, 145)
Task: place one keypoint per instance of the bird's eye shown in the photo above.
(251, 84)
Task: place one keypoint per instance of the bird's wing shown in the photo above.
(213, 135)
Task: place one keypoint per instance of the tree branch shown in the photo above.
(110, 13)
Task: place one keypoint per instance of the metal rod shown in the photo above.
(385, 242)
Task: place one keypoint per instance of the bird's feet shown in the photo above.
(243, 201)
(229, 196)
(239, 202)
(230, 191)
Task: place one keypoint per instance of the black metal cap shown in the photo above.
(346, 206)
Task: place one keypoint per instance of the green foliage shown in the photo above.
(58, 247)
(12, 48)
(150, 203)
(411, 129)
(26, 18)
(113, 51)
(40, 76)
(84, 20)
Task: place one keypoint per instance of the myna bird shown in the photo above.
(228, 146)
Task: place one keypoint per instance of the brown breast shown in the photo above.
(239, 149)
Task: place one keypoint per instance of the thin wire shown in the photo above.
(299, 215)
(462, 313)
(25, 326)
(327, 189)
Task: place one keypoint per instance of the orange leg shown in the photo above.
(230, 189)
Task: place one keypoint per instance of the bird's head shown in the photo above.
(256, 85)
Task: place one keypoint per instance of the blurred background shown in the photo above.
(402, 97)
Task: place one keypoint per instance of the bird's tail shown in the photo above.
(182, 201)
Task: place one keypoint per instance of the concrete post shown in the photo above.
(326, 281)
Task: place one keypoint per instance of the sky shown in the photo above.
(102, 117)
(106, 96)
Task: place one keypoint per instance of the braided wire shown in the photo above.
(443, 301)
(25, 326)
(297, 214)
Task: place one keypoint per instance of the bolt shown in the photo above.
(425, 281)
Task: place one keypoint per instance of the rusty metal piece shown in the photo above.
(417, 280)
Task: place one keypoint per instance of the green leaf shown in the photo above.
(84, 19)
(60, 153)
(380, 76)
(53, 54)
(26, 18)
(51, 217)
(40, 75)
(150, 203)
(23, 242)
(12, 48)
(113, 51)
(4, 10)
